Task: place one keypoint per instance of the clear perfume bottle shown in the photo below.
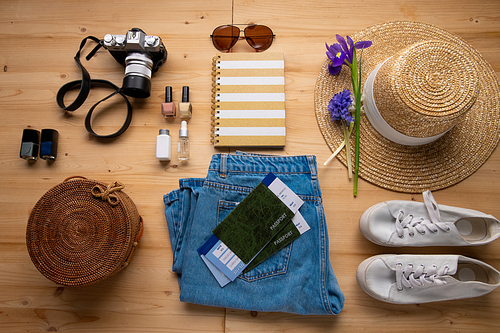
(183, 145)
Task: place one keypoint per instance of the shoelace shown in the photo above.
(421, 223)
(409, 277)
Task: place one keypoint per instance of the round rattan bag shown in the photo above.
(83, 231)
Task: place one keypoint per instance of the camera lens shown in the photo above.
(137, 80)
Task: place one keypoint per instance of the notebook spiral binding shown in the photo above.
(215, 92)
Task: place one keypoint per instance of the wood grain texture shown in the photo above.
(38, 42)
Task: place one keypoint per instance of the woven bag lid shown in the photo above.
(83, 231)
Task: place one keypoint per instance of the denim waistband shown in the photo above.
(255, 163)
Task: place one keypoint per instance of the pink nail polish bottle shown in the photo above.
(168, 108)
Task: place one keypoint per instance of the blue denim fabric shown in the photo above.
(297, 279)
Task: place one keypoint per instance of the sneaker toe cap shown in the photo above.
(375, 278)
(377, 224)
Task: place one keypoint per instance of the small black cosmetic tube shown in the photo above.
(30, 144)
(48, 144)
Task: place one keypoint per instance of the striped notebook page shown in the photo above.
(249, 100)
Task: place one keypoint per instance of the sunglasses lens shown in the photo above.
(224, 37)
(259, 37)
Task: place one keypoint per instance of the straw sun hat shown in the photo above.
(433, 97)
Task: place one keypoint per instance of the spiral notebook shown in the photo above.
(249, 100)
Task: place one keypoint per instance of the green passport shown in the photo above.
(286, 235)
(254, 223)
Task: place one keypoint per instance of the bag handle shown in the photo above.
(74, 177)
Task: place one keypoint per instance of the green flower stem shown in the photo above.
(357, 117)
(347, 148)
(356, 84)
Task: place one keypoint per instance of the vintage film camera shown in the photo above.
(141, 54)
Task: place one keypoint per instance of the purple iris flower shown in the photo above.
(348, 47)
(339, 106)
(363, 45)
(342, 53)
(337, 56)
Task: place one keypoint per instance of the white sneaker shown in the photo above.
(412, 279)
(409, 223)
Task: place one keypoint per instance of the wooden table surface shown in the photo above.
(38, 40)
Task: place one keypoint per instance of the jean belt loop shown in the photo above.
(223, 166)
(312, 166)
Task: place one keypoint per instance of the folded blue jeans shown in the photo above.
(297, 279)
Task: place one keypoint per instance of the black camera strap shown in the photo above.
(85, 84)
